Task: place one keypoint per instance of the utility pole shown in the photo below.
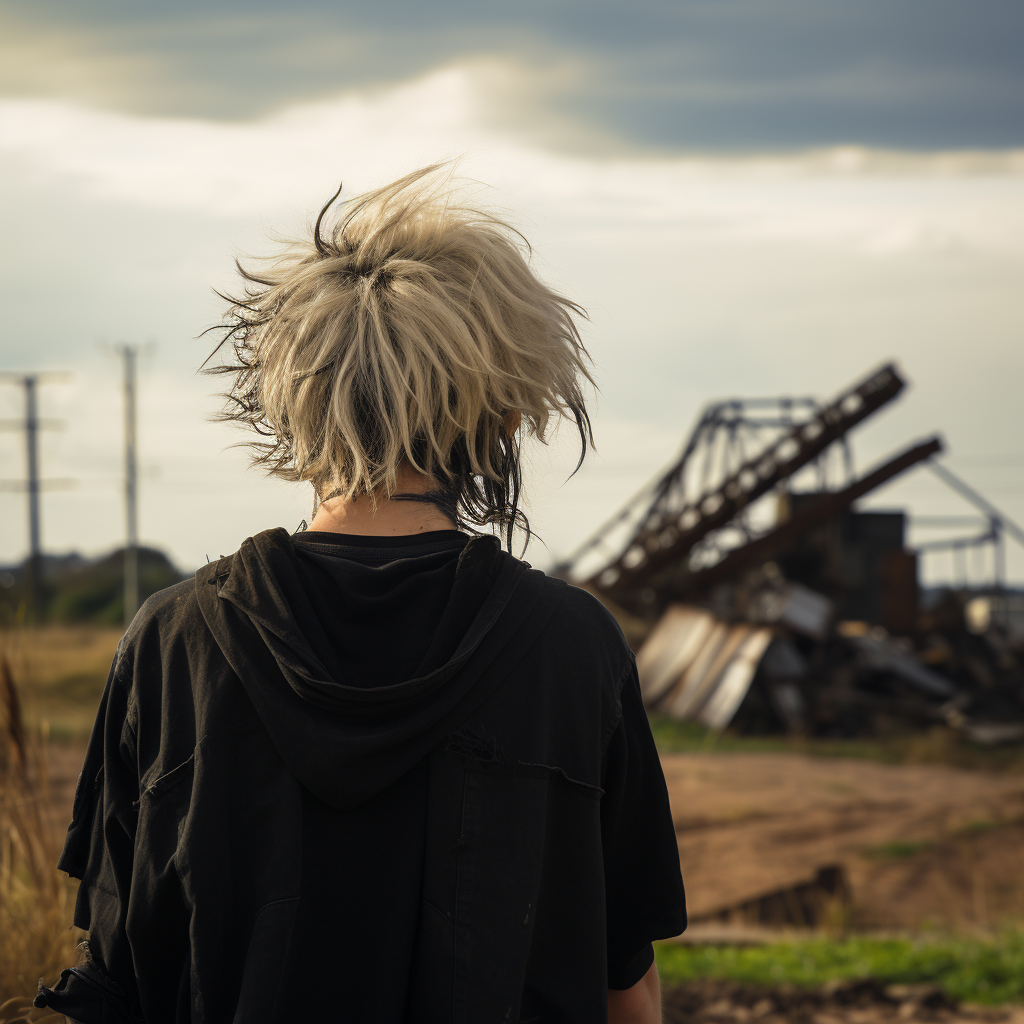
(130, 354)
(32, 465)
(32, 485)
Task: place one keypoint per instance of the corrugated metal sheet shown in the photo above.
(695, 666)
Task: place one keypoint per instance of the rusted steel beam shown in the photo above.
(668, 538)
(827, 507)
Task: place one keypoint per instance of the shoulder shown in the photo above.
(166, 661)
(168, 621)
(586, 632)
(584, 611)
(173, 606)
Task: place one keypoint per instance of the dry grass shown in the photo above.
(36, 900)
(61, 671)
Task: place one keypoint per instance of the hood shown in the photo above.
(352, 683)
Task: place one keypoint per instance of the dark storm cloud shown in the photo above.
(689, 73)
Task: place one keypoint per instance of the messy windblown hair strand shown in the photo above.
(406, 331)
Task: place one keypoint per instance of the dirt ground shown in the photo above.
(922, 845)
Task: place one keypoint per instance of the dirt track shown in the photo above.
(922, 845)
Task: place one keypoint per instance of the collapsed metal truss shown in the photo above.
(718, 476)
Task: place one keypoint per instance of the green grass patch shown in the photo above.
(674, 737)
(974, 828)
(973, 970)
(940, 745)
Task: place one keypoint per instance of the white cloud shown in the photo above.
(874, 202)
(706, 277)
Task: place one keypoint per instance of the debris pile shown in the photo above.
(766, 606)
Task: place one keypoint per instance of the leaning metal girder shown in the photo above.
(734, 417)
(665, 537)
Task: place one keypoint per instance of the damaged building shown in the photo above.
(759, 597)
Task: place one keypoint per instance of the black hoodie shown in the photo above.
(351, 779)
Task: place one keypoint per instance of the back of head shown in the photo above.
(408, 329)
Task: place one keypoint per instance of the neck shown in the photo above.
(389, 518)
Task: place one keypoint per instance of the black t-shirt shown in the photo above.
(302, 861)
(383, 849)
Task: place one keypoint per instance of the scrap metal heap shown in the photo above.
(767, 608)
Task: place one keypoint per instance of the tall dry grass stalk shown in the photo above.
(36, 904)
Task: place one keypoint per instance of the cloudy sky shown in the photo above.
(751, 197)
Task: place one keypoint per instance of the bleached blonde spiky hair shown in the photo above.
(406, 332)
